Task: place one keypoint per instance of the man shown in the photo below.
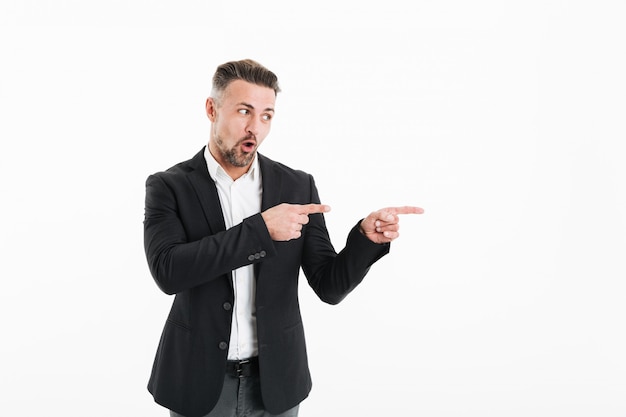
(227, 232)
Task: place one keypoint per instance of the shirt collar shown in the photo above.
(217, 172)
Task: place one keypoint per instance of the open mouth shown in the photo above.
(248, 145)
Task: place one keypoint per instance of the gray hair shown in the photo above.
(246, 70)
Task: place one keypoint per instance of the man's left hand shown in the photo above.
(382, 226)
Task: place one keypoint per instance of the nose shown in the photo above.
(253, 127)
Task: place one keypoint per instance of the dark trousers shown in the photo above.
(241, 397)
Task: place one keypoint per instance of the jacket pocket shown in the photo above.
(179, 325)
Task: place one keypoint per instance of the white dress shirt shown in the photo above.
(240, 199)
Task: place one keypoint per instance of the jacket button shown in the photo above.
(223, 346)
(262, 254)
(251, 258)
(227, 306)
(257, 256)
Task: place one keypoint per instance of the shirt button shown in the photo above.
(227, 306)
(223, 345)
(251, 258)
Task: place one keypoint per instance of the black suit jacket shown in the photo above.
(191, 254)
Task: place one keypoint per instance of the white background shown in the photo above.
(504, 120)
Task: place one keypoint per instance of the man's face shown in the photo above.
(241, 120)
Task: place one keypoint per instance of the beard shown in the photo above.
(235, 156)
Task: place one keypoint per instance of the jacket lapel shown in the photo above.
(272, 183)
(206, 191)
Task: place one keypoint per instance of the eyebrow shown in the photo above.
(251, 107)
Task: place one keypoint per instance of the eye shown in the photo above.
(267, 117)
(244, 111)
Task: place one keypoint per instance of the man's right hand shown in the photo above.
(285, 221)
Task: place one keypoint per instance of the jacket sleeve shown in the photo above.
(178, 263)
(333, 276)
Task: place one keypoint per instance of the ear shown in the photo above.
(211, 109)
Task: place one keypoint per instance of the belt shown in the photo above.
(243, 368)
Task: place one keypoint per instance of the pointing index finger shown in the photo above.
(314, 208)
(405, 210)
